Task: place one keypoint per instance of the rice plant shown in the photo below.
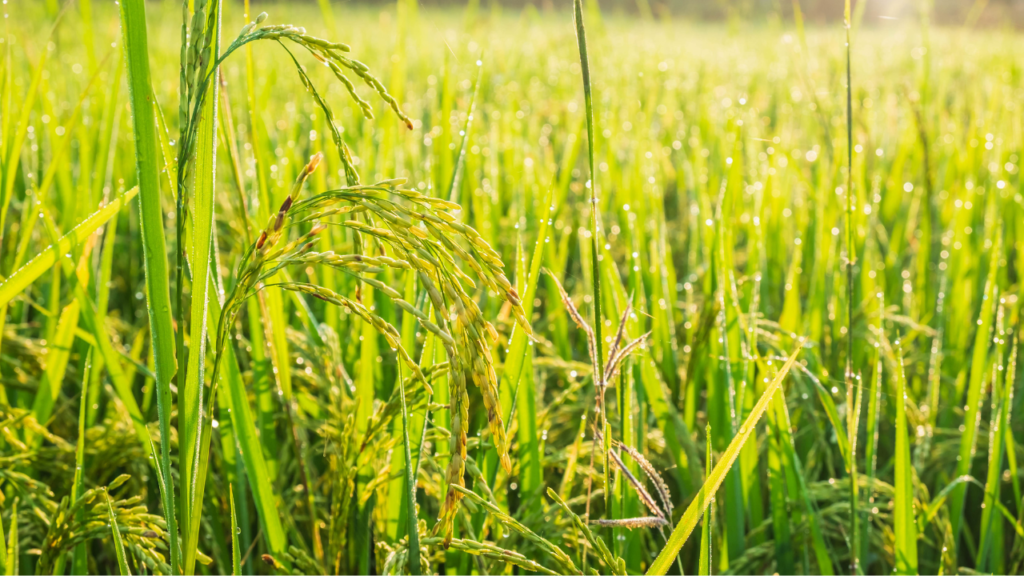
(484, 291)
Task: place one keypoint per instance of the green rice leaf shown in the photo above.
(27, 274)
(236, 551)
(193, 427)
(13, 547)
(704, 567)
(122, 561)
(693, 512)
(905, 523)
(975, 390)
(56, 363)
(147, 164)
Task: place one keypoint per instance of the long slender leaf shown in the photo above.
(905, 524)
(244, 428)
(147, 163)
(991, 523)
(595, 230)
(14, 143)
(821, 551)
(708, 514)
(13, 546)
(56, 362)
(782, 532)
(35, 268)
(115, 531)
(693, 512)
(412, 532)
(193, 419)
(3, 545)
(236, 552)
(79, 559)
(975, 391)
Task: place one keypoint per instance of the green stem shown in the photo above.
(852, 422)
(410, 485)
(133, 28)
(581, 39)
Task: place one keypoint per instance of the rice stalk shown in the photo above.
(975, 390)
(905, 521)
(136, 42)
(704, 567)
(597, 351)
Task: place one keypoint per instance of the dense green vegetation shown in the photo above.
(354, 308)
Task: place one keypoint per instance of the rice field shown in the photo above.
(310, 288)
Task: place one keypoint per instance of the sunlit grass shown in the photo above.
(816, 288)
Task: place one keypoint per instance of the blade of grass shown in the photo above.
(520, 374)
(454, 187)
(795, 470)
(516, 357)
(853, 415)
(57, 164)
(904, 523)
(708, 514)
(531, 469)
(990, 520)
(872, 428)
(723, 398)
(571, 465)
(193, 419)
(147, 164)
(595, 230)
(236, 552)
(256, 470)
(975, 390)
(122, 561)
(17, 141)
(396, 502)
(36, 267)
(678, 441)
(79, 558)
(56, 365)
(3, 546)
(410, 486)
(108, 136)
(1011, 454)
(690, 518)
(13, 548)
(782, 533)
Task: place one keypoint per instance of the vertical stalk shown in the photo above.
(851, 426)
(581, 39)
(904, 523)
(704, 566)
(133, 28)
(410, 485)
(236, 553)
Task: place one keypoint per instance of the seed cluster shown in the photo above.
(617, 353)
(416, 233)
(197, 34)
(422, 235)
(406, 230)
(89, 517)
